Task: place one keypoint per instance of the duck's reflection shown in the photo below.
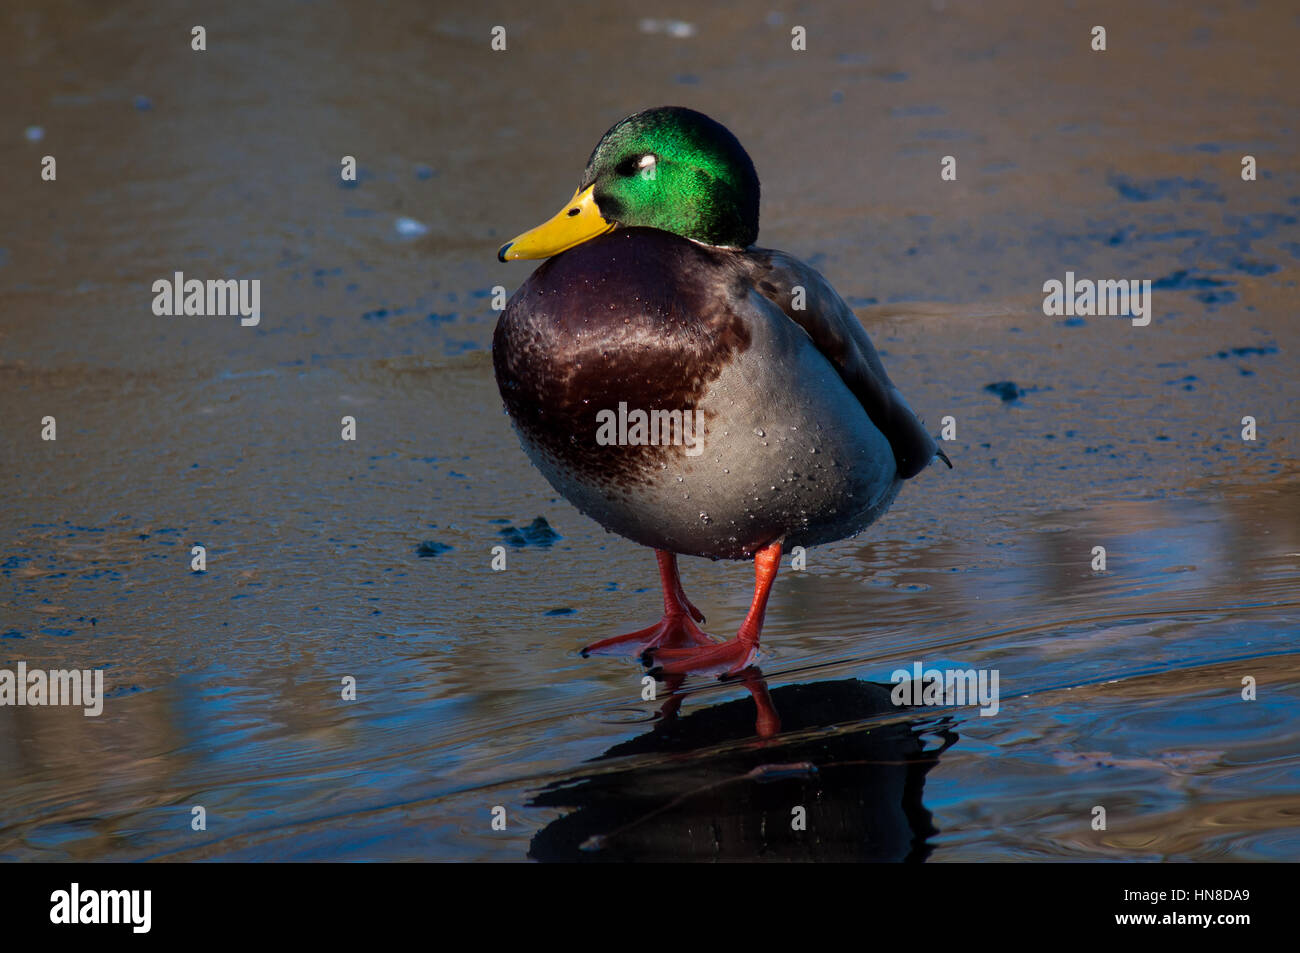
(766, 720)
(702, 787)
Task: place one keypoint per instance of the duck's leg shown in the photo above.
(734, 655)
(676, 628)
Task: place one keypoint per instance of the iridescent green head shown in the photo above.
(668, 168)
(677, 170)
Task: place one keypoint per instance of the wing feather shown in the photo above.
(839, 335)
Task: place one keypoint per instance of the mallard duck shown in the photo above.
(688, 390)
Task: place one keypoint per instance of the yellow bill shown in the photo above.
(574, 224)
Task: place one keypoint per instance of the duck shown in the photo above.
(689, 390)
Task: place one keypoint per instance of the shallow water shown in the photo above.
(1119, 688)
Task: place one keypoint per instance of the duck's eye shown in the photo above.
(633, 165)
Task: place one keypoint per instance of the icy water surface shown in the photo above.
(1120, 688)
